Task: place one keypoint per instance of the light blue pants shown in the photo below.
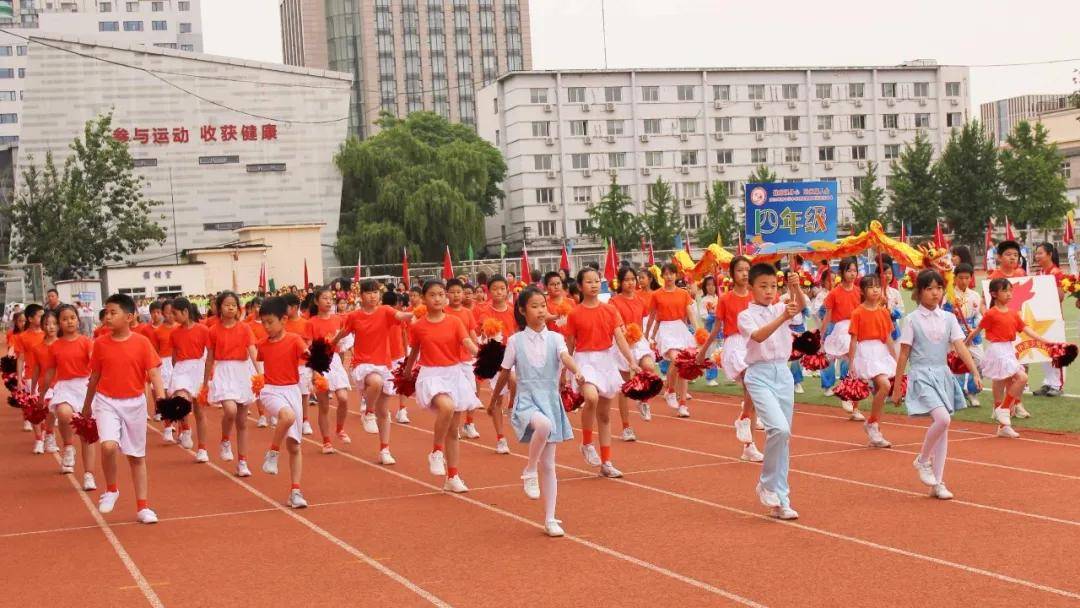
(796, 371)
(828, 375)
(771, 387)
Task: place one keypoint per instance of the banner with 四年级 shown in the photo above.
(791, 214)
(1036, 301)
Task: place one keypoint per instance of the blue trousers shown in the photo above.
(967, 384)
(828, 375)
(713, 372)
(796, 371)
(771, 387)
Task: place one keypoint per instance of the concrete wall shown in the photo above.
(149, 281)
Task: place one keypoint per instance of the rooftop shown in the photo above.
(916, 64)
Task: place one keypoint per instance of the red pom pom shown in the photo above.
(686, 364)
(1062, 354)
(571, 399)
(643, 386)
(852, 389)
(258, 381)
(33, 410)
(815, 362)
(86, 428)
(903, 385)
(956, 364)
(405, 387)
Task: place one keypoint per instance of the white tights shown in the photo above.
(936, 443)
(542, 460)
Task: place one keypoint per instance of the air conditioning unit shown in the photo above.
(553, 208)
(683, 137)
(588, 140)
(584, 107)
(688, 203)
(609, 106)
(550, 141)
(759, 136)
(718, 104)
(794, 166)
(859, 133)
(721, 169)
(547, 107)
(758, 105)
(858, 103)
(646, 171)
(922, 101)
(610, 139)
(889, 101)
(792, 135)
(718, 136)
(791, 104)
(954, 102)
(892, 132)
(828, 166)
(643, 137)
(587, 172)
(613, 172)
(551, 174)
(861, 164)
(826, 135)
(684, 170)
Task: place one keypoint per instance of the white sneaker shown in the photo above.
(1001, 414)
(742, 430)
(1021, 412)
(402, 416)
(107, 502)
(646, 411)
(799, 389)
(785, 513)
(758, 424)
(973, 401)
(608, 470)
(146, 516)
(828, 392)
(940, 492)
(531, 485)
(926, 472)
(591, 457)
(167, 436)
(269, 465)
(185, 440)
(226, 451)
(767, 497)
(437, 463)
(848, 406)
(1007, 431)
(201, 456)
(750, 453)
(344, 438)
(328, 448)
(89, 484)
(712, 383)
(470, 431)
(857, 416)
(385, 458)
(307, 431)
(672, 401)
(455, 484)
(261, 423)
(296, 499)
(67, 460)
(553, 529)
(371, 424)
(684, 412)
(273, 422)
(39, 446)
(50, 444)
(242, 469)
(26, 426)
(877, 440)
(628, 434)
(502, 447)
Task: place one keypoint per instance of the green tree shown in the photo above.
(661, 220)
(611, 218)
(969, 183)
(1031, 174)
(762, 175)
(866, 205)
(914, 197)
(90, 214)
(720, 220)
(421, 183)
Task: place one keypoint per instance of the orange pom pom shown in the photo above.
(204, 395)
(564, 308)
(701, 336)
(717, 357)
(420, 312)
(491, 327)
(258, 381)
(633, 333)
(320, 383)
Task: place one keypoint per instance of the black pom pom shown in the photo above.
(8, 364)
(173, 408)
(808, 342)
(13, 401)
(489, 360)
(10, 382)
(322, 352)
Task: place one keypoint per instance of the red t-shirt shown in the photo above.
(728, 308)
(553, 311)
(257, 329)
(631, 309)
(43, 360)
(395, 340)
(230, 343)
(440, 343)
(593, 328)
(281, 359)
(297, 326)
(842, 302)
(469, 321)
(506, 317)
(1001, 326)
(71, 358)
(102, 330)
(998, 273)
(147, 330)
(318, 327)
(670, 305)
(869, 324)
(189, 342)
(123, 365)
(164, 339)
(29, 340)
(371, 334)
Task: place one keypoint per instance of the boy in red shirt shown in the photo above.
(455, 293)
(115, 397)
(296, 324)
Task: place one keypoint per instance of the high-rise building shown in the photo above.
(999, 117)
(410, 55)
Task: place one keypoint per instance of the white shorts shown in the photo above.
(232, 382)
(450, 380)
(187, 375)
(873, 359)
(838, 343)
(600, 369)
(337, 377)
(673, 335)
(275, 397)
(733, 356)
(306, 386)
(122, 421)
(362, 371)
(166, 371)
(999, 362)
(345, 344)
(71, 392)
(639, 350)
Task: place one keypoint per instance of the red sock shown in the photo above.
(451, 472)
(224, 438)
(184, 426)
(340, 428)
(141, 504)
(275, 447)
(468, 419)
(48, 431)
(586, 436)
(240, 457)
(326, 441)
(295, 486)
(436, 448)
(625, 425)
(383, 446)
(111, 488)
(1007, 403)
(605, 453)
(744, 416)
(872, 419)
(305, 415)
(202, 446)
(498, 437)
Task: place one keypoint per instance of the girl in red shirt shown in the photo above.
(443, 385)
(455, 294)
(42, 385)
(231, 362)
(871, 351)
(189, 340)
(632, 310)
(1001, 325)
(325, 324)
(68, 374)
(1046, 263)
(839, 304)
(558, 302)
(592, 329)
(670, 314)
(499, 309)
(28, 341)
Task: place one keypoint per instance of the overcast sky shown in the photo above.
(712, 33)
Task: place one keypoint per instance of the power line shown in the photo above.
(1022, 63)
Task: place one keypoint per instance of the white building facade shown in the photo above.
(566, 134)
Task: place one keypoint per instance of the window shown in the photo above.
(132, 7)
(856, 90)
(495, 105)
(160, 26)
(654, 159)
(542, 162)
(888, 89)
(892, 151)
(7, 95)
(721, 92)
(540, 129)
(582, 226)
(823, 91)
(538, 95)
(954, 119)
(691, 190)
(790, 91)
(108, 26)
(889, 183)
(105, 7)
(22, 72)
(497, 140)
(183, 5)
(545, 196)
(722, 124)
(616, 160)
(857, 182)
(922, 120)
(575, 94)
(7, 72)
(687, 125)
(858, 152)
(651, 126)
(922, 89)
(792, 155)
(685, 92)
(858, 121)
(582, 194)
(688, 157)
(755, 92)
(133, 26)
(615, 127)
(579, 161)
(692, 221)
(5, 51)
(824, 122)
(157, 6)
(187, 47)
(759, 155)
(826, 153)
(1066, 169)
(7, 119)
(952, 89)
(20, 50)
(724, 156)
(185, 28)
(732, 188)
(579, 128)
(890, 121)
(545, 228)
(791, 123)
(612, 93)
(757, 124)
(650, 93)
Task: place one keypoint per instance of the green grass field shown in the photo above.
(1053, 414)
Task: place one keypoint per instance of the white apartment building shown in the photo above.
(565, 134)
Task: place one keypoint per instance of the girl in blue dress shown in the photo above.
(538, 417)
(925, 339)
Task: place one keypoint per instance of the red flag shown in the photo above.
(1008, 230)
(988, 241)
(610, 262)
(447, 266)
(939, 237)
(652, 261)
(262, 278)
(526, 274)
(306, 281)
(356, 273)
(564, 260)
(740, 249)
(1070, 237)
(405, 267)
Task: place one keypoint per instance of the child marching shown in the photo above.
(189, 341)
(670, 312)
(632, 310)
(230, 361)
(326, 325)
(871, 351)
(68, 375)
(839, 304)
(500, 312)
(297, 324)
(968, 307)
(455, 307)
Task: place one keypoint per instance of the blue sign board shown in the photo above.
(789, 215)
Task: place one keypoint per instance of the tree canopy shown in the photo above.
(720, 221)
(1033, 182)
(866, 205)
(611, 218)
(661, 220)
(969, 185)
(914, 188)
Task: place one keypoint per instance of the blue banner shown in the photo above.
(789, 215)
